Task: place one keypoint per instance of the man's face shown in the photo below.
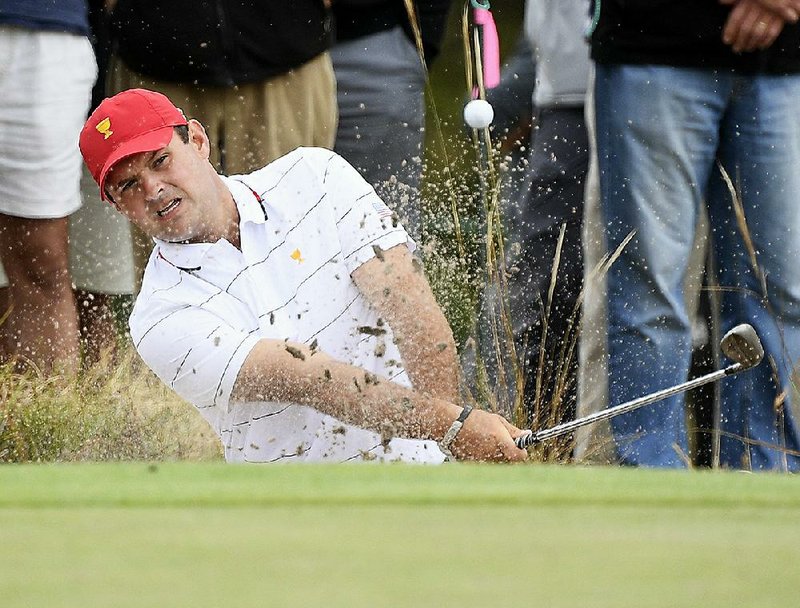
(171, 193)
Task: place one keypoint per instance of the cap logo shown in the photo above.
(104, 127)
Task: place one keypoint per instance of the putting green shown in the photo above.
(366, 535)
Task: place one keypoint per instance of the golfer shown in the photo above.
(284, 304)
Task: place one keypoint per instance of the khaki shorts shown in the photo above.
(252, 124)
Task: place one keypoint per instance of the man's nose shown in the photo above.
(152, 188)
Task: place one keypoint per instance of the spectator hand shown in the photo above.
(789, 10)
(488, 437)
(751, 26)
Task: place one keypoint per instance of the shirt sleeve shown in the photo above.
(191, 350)
(363, 221)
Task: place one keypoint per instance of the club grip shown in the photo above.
(525, 441)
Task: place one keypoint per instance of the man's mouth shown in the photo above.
(172, 205)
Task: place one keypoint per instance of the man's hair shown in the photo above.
(183, 132)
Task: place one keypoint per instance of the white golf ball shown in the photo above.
(478, 114)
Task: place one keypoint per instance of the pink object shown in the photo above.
(491, 47)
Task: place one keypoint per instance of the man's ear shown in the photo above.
(199, 139)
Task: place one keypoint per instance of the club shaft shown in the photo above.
(561, 429)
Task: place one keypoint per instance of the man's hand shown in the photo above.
(488, 437)
(789, 10)
(752, 25)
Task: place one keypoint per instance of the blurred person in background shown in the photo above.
(539, 106)
(381, 94)
(551, 196)
(101, 247)
(682, 88)
(46, 79)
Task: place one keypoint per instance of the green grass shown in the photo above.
(214, 534)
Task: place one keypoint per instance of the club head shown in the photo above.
(741, 345)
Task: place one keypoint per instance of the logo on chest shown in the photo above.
(297, 256)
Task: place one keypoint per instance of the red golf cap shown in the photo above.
(136, 120)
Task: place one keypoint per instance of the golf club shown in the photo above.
(741, 345)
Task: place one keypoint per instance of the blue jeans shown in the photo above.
(660, 133)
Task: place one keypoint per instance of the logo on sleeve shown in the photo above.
(104, 127)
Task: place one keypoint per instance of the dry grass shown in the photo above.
(111, 412)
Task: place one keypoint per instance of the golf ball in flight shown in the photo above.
(478, 114)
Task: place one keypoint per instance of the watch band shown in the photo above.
(452, 432)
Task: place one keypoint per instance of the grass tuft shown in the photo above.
(112, 411)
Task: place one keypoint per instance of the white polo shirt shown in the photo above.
(307, 221)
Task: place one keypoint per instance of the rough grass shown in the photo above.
(362, 535)
(114, 411)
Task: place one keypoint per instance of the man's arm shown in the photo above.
(395, 285)
(288, 372)
(272, 372)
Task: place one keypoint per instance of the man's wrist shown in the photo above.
(453, 431)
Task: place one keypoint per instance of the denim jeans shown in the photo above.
(661, 132)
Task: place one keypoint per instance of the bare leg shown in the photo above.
(97, 326)
(5, 305)
(42, 329)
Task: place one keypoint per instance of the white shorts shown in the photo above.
(100, 245)
(46, 81)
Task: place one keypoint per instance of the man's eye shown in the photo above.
(160, 160)
(127, 185)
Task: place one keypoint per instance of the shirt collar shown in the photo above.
(248, 202)
(189, 256)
